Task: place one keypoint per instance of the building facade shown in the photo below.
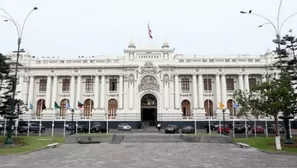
(144, 84)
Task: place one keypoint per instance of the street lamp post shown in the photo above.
(72, 122)
(277, 27)
(20, 30)
(223, 111)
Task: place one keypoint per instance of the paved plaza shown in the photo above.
(149, 155)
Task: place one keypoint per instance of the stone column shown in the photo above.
(131, 94)
(78, 90)
(195, 105)
(240, 82)
(171, 93)
(224, 89)
(102, 98)
(25, 90)
(166, 93)
(54, 92)
(246, 82)
(96, 92)
(31, 91)
(48, 92)
(200, 91)
(218, 90)
(121, 92)
(176, 88)
(72, 91)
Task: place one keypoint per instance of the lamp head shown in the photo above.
(35, 8)
(6, 20)
(242, 12)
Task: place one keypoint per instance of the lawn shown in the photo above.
(28, 143)
(267, 144)
(93, 134)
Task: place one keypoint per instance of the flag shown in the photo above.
(221, 105)
(57, 106)
(149, 31)
(235, 105)
(67, 106)
(31, 106)
(80, 105)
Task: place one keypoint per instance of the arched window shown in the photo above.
(230, 107)
(186, 108)
(208, 106)
(88, 107)
(63, 107)
(112, 107)
(40, 106)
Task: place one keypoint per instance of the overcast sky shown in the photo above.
(69, 28)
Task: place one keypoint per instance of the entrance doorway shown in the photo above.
(149, 110)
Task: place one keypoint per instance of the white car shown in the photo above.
(124, 127)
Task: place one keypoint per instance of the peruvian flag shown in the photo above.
(149, 31)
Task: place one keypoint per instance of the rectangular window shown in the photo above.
(42, 85)
(112, 84)
(89, 85)
(185, 84)
(230, 83)
(66, 85)
(207, 84)
(252, 82)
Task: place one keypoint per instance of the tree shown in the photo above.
(6, 89)
(287, 65)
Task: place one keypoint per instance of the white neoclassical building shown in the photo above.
(142, 84)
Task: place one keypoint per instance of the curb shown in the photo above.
(31, 151)
(246, 146)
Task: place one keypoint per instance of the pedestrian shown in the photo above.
(159, 126)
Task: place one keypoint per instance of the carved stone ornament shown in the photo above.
(166, 78)
(131, 78)
(148, 83)
(148, 68)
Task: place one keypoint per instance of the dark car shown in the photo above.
(98, 128)
(249, 127)
(188, 129)
(70, 126)
(171, 129)
(213, 126)
(239, 128)
(271, 129)
(82, 129)
(33, 127)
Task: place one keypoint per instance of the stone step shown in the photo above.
(157, 136)
(152, 141)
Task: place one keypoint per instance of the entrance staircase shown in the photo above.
(151, 138)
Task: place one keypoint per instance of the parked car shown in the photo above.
(33, 127)
(82, 129)
(271, 129)
(249, 127)
(188, 129)
(69, 127)
(239, 128)
(98, 128)
(259, 129)
(171, 129)
(213, 126)
(221, 129)
(124, 127)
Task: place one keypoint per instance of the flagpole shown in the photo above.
(53, 124)
(4, 132)
(245, 125)
(39, 127)
(208, 109)
(28, 131)
(64, 131)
